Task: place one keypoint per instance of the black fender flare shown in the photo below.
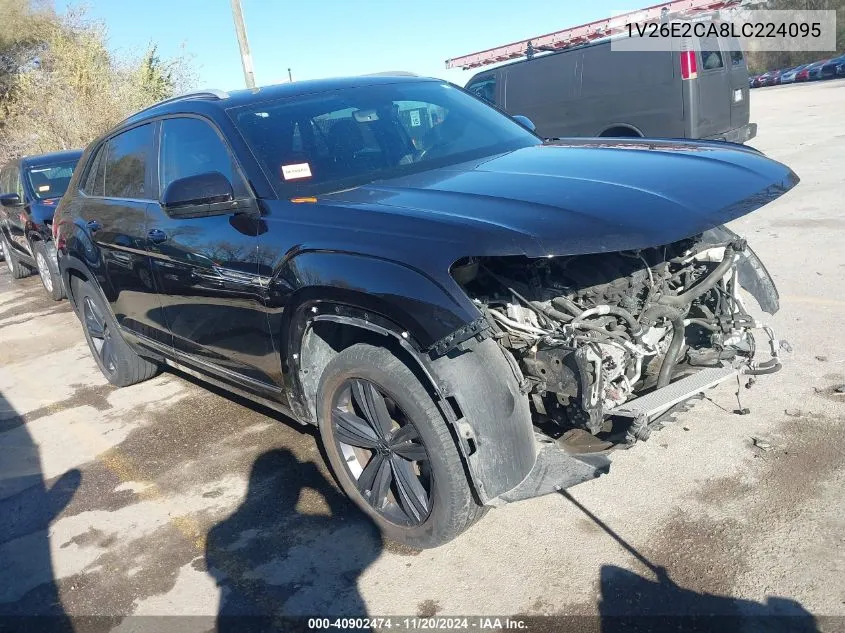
(68, 263)
(476, 388)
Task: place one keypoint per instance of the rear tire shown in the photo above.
(16, 268)
(417, 494)
(119, 363)
(48, 270)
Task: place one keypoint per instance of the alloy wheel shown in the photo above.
(44, 271)
(100, 333)
(383, 452)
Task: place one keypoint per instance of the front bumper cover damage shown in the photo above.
(506, 461)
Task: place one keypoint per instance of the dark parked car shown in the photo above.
(30, 189)
(813, 72)
(414, 272)
(828, 70)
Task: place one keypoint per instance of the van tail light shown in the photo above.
(689, 67)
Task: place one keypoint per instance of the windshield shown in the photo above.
(50, 181)
(335, 140)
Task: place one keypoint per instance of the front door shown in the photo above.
(206, 266)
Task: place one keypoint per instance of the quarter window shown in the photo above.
(190, 147)
(127, 158)
(736, 58)
(96, 173)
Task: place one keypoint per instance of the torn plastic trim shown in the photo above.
(752, 274)
(477, 328)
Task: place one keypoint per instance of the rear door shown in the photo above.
(117, 190)
(206, 266)
(714, 88)
(740, 110)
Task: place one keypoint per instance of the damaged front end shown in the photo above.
(609, 342)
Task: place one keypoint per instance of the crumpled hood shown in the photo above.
(579, 196)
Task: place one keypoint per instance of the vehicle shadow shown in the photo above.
(294, 548)
(27, 508)
(630, 602)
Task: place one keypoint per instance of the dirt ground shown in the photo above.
(169, 498)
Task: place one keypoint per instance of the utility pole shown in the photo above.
(240, 29)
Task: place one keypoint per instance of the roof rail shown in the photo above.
(206, 93)
(391, 73)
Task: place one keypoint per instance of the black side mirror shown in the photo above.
(212, 191)
(525, 122)
(10, 200)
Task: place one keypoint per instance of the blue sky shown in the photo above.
(324, 38)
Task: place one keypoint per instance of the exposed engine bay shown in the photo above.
(591, 332)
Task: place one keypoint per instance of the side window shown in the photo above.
(127, 160)
(190, 147)
(711, 55)
(485, 88)
(93, 185)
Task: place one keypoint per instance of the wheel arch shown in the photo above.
(475, 387)
(623, 130)
(69, 267)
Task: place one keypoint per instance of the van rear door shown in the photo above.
(714, 90)
(738, 70)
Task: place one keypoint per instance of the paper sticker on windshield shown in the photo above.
(43, 188)
(299, 170)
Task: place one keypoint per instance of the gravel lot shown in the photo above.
(168, 498)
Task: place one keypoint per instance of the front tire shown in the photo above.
(48, 270)
(391, 449)
(16, 268)
(119, 363)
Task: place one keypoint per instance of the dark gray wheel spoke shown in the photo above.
(372, 405)
(402, 443)
(93, 320)
(411, 495)
(353, 430)
(375, 480)
(107, 352)
(410, 451)
(94, 328)
(404, 434)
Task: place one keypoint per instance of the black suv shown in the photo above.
(452, 301)
(30, 189)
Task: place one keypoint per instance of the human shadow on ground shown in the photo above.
(294, 548)
(29, 595)
(630, 602)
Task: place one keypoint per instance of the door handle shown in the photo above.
(156, 236)
(93, 226)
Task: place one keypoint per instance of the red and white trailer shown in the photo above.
(590, 32)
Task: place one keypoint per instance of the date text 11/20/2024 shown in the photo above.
(419, 623)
